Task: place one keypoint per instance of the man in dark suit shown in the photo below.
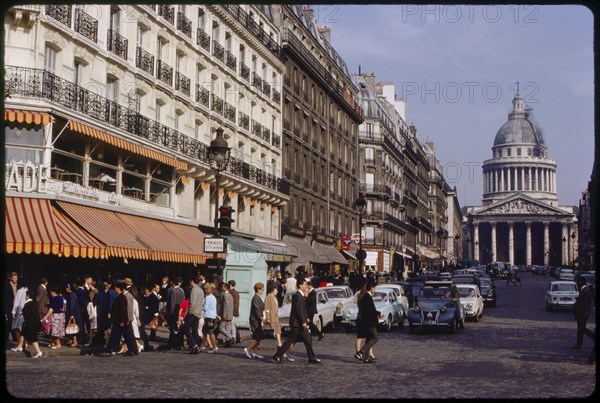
(311, 308)
(151, 307)
(176, 297)
(299, 325)
(236, 308)
(41, 298)
(120, 319)
(582, 311)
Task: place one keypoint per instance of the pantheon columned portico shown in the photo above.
(520, 220)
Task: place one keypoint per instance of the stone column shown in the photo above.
(530, 179)
(509, 174)
(528, 243)
(511, 243)
(494, 252)
(522, 178)
(565, 246)
(502, 188)
(476, 240)
(546, 242)
(554, 181)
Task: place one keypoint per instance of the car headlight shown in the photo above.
(340, 306)
(443, 309)
(417, 309)
(469, 306)
(348, 314)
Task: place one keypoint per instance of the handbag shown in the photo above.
(47, 326)
(72, 327)
(209, 323)
(154, 323)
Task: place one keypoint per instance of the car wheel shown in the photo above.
(320, 324)
(454, 326)
(461, 323)
(348, 329)
(411, 328)
(388, 325)
(476, 317)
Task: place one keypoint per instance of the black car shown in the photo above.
(408, 290)
(488, 291)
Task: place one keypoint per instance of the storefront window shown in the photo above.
(24, 144)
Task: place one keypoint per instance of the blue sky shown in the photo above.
(457, 67)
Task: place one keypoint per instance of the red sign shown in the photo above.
(346, 242)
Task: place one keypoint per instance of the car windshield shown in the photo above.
(566, 271)
(333, 293)
(380, 296)
(564, 287)
(485, 283)
(434, 293)
(466, 292)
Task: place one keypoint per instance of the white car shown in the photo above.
(566, 274)
(342, 295)
(561, 294)
(399, 294)
(323, 318)
(471, 299)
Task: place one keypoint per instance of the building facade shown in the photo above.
(320, 123)
(587, 230)
(136, 93)
(520, 220)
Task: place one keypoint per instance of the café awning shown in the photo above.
(131, 236)
(35, 226)
(21, 116)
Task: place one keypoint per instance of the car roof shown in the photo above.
(437, 283)
(466, 286)
(330, 287)
(563, 282)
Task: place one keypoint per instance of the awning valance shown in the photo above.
(269, 251)
(130, 236)
(329, 253)
(34, 225)
(126, 145)
(302, 249)
(15, 115)
(349, 254)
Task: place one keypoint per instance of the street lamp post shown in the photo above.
(440, 234)
(456, 239)
(476, 248)
(360, 205)
(469, 248)
(218, 155)
(564, 250)
(572, 255)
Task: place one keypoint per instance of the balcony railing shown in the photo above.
(276, 96)
(266, 134)
(86, 25)
(276, 140)
(202, 95)
(229, 112)
(184, 24)
(244, 121)
(218, 51)
(164, 72)
(256, 128)
(230, 61)
(244, 71)
(167, 12)
(117, 44)
(39, 84)
(182, 83)
(217, 104)
(203, 39)
(144, 60)
(266, 89)
(372, 188)
(61, 14)
(257, 81)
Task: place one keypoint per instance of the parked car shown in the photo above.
(537, 269)
(386, 302)
(471, 299)
(497, 269)
(325, 311)
(488, 291)
(566, 274)
(399, 293)
(438, 305)
(561, 294)
(589, 276)
(408, 291)
(444, 275)
(342, 296)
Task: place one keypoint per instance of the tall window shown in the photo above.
(50, 59)
(114, 19)
(158, 111)
(112, 89)
(78, 71)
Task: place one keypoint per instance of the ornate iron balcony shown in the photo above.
(61, 14)
(216, 104)
(246, 20)
(218, 51)
(256, 128)
(86, 25)
(182, 83)
(229, 112)
(266, 89)
(202, 95)
(244, 121)
(117, 44)
(40, 84)
(244, 71)
(203, 39)
(276, 96)
(184, 24)
(230, 60)
(266, 134)
(257, 81)
(164, 72)
(144, 60)
(276, 140)
(167, 12)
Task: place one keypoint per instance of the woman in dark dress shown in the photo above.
(56, 315)
(73, 310)
(31, 324)
(370, 320)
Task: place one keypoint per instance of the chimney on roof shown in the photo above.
(309, 12)
(413, 130)
(370, 79)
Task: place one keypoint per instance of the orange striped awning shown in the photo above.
(15, 115)
(130, 236)
(126, 145)
(34, 225)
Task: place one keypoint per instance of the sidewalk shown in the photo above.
(162, 335)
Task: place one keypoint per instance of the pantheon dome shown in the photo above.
(519, 161)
